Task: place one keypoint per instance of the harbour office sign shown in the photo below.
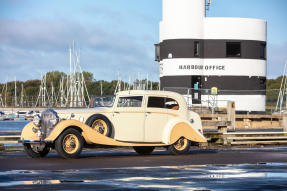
(201, 67)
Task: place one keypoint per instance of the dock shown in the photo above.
(225, 128)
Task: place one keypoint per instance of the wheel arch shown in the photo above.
(94, 115)
(67, 124)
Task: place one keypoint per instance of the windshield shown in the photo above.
(102, 101)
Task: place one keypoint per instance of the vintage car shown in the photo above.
(139, 119)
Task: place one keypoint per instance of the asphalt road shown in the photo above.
(125, 158)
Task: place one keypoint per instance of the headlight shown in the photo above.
(54, 121)
(37, 120)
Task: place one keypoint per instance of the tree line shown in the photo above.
(53, 79)
(31, 87)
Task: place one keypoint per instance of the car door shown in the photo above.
(128, 119)
(156, 118)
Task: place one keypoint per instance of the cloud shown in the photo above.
(41, 35)
(28, 48)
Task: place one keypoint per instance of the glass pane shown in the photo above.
(263, 51)
(162, 102)
(171, 104)
(102, 101)
(135, 101)
(233, 49)
(157, 52)
(196, 48)
(157, 102)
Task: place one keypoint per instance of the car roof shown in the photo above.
(148, 92)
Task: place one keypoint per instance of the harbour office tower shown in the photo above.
(199, 52)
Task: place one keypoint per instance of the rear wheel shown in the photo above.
(69, 144)
(34, 152)
(144, 150)
(181, 146)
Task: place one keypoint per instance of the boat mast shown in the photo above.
(15, 96)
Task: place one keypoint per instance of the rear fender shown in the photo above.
(177, 128)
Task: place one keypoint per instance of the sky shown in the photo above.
(114, 36)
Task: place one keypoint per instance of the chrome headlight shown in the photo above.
(37, 120)
(54, 121)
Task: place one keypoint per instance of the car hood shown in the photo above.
(67, 113)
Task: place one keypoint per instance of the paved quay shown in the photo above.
(122, 169)
(119, 158)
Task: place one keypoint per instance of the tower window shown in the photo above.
(157, 52)
(196, 49)
(263, 50)
(233, 49)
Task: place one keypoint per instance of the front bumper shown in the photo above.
(35, 141)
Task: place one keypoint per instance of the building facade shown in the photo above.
(199, 53)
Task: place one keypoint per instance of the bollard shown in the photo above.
(223, 130)
(231, 114)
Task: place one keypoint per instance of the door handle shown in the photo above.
(117, 112)
(148, 112)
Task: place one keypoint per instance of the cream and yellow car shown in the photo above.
(139, 119)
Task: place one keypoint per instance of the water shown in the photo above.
(269, 176)
(13, 125)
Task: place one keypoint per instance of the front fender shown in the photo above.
(177, 128)
(28, 134)
(63, 125)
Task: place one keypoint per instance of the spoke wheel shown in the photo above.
(69, 144)
(100, 126)
(34, 153)
(181, 146)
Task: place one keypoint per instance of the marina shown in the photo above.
(147, 95)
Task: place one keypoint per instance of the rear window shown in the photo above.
(134, 101)
(162, 102)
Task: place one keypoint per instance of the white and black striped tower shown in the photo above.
(203, 52)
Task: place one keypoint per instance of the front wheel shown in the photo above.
(69, 144)
(34, 152)
(181, 146)
(144, 150)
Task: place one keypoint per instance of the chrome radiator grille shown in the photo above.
(46, 124)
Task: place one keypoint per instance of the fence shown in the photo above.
(32, 102)
(9, 140)
(197, 97)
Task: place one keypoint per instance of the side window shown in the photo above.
(162, 102)
(157, 52)
(134, 101)
(171, 104)
(196, 49)
(233, 49)
(156, 102)
(263, 50)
